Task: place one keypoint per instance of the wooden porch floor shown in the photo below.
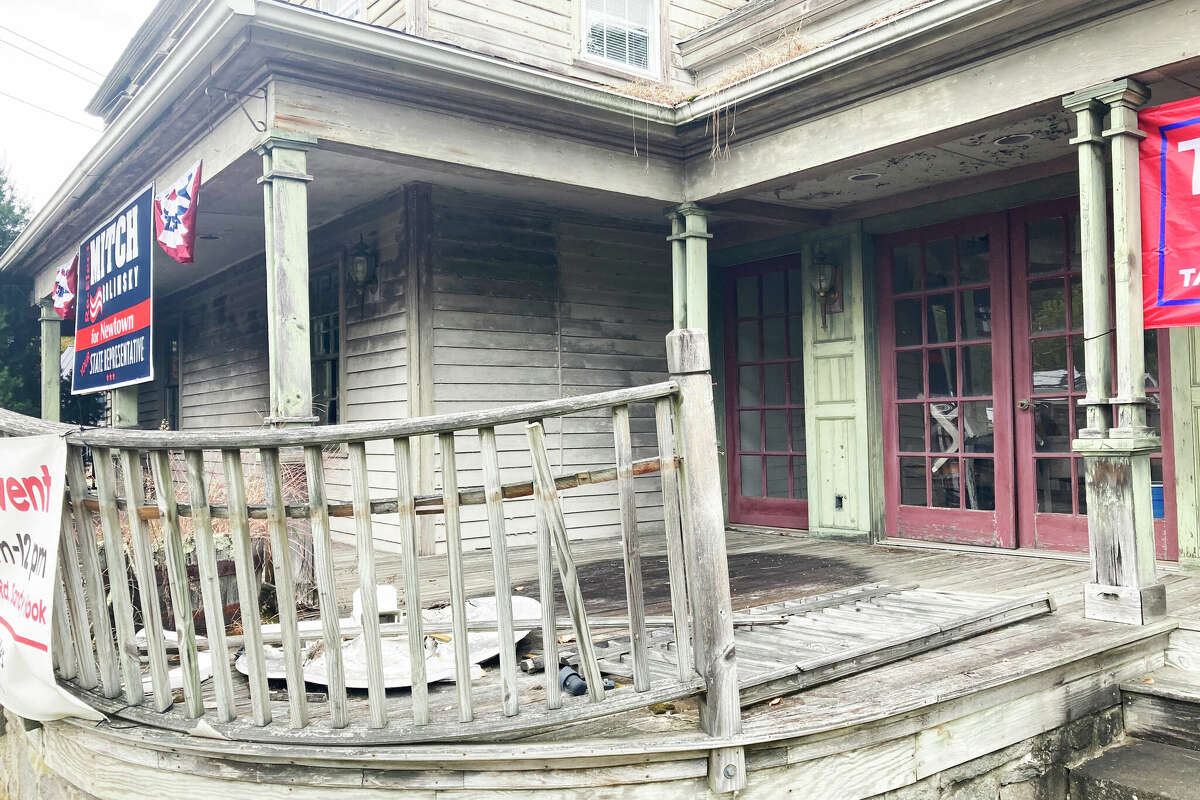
(768, 567)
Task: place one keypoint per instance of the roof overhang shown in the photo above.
(933, 40)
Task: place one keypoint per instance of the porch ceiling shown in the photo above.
(231, 209)
(966, 162)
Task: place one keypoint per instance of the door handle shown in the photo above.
(1024, 404)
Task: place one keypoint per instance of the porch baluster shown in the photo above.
(458, 598)
(210, 583)
(631, 548)
(285, 588)
(673, 525)
(181, 602)
(68, 554)
(118, 578)
(247, 581)
(407, 517)
(368, 597)
(109, 675)
(504, 611)
(318, 520)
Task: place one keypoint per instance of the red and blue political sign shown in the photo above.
(1170, 190)
(114, 312)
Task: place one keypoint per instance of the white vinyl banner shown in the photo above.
(32, 473)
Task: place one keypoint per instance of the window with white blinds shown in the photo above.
(621, 32)
(343, 8)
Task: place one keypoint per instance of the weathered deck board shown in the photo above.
(766, 568)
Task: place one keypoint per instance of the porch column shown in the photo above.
(1123, 587)
(689, 265)
(285, 204)
(51, 335)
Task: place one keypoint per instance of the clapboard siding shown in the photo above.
(386, 13)
(529, 308)
(223, 350)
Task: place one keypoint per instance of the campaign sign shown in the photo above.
(1170, 192)
(31, 496)
(113, 309)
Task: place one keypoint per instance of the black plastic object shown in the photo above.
(573, 683)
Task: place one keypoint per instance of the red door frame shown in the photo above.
(1062, 531)
(1068, 532)
(994, 528)
(768, 511)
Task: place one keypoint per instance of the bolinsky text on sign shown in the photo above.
(114, 310)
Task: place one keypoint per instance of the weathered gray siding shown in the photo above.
(530, 307)
(223, 350)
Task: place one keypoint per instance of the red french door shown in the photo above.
(764, 394)
(945, 345)
(1048, 378)
(981, 337)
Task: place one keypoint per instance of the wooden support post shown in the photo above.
(123, 405)
(1123, 587)
(689, 265)
(1093, 229)
(678, 271)
(51, 334)
(285, 203)
(704, 548)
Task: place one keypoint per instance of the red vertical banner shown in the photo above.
(1170, 191)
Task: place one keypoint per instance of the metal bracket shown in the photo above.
(240, 98)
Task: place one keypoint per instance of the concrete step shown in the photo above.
(1139, 770)
(1164, 707)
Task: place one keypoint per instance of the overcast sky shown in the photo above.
(40, 146)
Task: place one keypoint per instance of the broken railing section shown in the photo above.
(187, 682)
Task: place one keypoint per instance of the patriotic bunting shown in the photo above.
(64, 288)
(175, 216)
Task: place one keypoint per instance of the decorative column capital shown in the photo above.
(1125, 92)
(284, 140)
(46, 312)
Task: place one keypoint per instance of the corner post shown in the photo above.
(51, 335)
(285, 204)
(1123, 586)
(689, 265)
(678, 271)
(705, 555)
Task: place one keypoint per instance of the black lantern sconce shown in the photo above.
(827, 283)
(362, 267)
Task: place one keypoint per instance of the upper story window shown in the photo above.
(351, 9)
(622, 33)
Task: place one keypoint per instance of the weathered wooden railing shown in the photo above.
(99, 653)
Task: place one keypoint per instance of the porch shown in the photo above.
(854, 737)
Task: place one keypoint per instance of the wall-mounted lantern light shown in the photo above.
(362, 267)
(827, 283)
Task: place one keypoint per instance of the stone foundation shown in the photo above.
(1035, 769)
(23, 773)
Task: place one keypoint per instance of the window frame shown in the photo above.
(654, 42)
(332, 7)
(335, 271)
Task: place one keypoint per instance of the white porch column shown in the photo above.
(285, 204)
(51, 335)
(1123, 587)
(689, 265)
